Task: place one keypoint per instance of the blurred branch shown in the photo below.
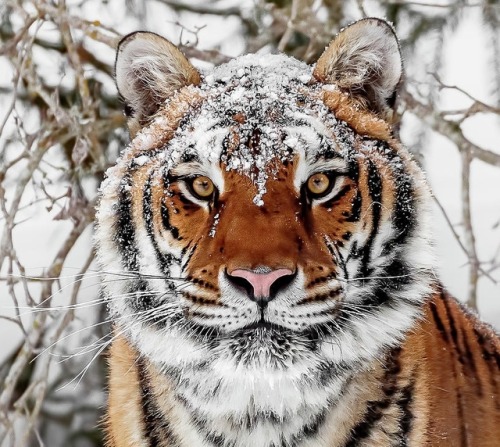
(434, 5)
(470, 239)
(449, 129)
(477, 106)
(297, 6)
(75, 126)
(35, 335)
(92, 29)
(212, 56)
(202, 9)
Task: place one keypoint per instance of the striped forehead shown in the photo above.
(250, 119)
(258, 152)
(254, 142)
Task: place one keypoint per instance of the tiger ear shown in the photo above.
(148, 70)
(365, 61)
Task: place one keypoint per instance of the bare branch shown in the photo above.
(470, 239)
(449, 129)
(203, 9)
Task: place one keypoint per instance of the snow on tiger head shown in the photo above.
(250, 113)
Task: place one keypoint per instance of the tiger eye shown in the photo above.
(203, 187)
(318, 183)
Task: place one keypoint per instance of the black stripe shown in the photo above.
(392, 279)
(471, 363)
(375, 409)
(353, 169)
(465, 355)
(355, 214)
(378, 298)
(326, 151)
(140, 297)
(165, 259)
(461, 421)
(165, 215)
(189, 155)
(310, 429)
(165, 218)
(491, 357)
(352, 163)
(187, 204)
(327, 371)
(337, 256)
(363, 429)
(438, 321)
(468, 352)
(453, 328)
(398, 274)
(354, 252)
(156, 426)
(460, 404)
(215, 438)
(488, 348)
(375, 191)
(405, 402)
(125, 231)
(403, 216)
(190, 255)
(251, 419)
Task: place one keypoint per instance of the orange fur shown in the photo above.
(356, 114)
(124, 420)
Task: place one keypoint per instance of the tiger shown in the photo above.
(266, 248)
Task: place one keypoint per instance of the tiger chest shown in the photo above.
(215, 404)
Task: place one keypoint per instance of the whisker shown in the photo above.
(109, 320)
(104, 345)
(151, 313)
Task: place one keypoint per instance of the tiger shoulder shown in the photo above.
(266, 244)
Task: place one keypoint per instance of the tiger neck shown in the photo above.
(181, 408)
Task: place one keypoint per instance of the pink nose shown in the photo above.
(261, 283)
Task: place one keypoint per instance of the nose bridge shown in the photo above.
(261, 236)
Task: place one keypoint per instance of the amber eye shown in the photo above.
(318, 184)
(203, 187)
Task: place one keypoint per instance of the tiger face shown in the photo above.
(263, 222)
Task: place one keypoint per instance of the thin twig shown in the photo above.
(449, 129)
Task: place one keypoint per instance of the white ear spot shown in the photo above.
(148, 70)
(364, 60)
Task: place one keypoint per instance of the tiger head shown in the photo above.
(264, 216)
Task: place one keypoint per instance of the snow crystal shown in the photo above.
(214, 226)
(141, 160)
(144, 140)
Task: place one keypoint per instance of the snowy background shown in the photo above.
(61, 126)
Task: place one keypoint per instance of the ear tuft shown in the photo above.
(148, 70)
(365, 61)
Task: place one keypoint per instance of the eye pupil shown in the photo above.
(318, 183)
(203, 187)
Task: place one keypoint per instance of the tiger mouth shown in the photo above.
(267, 328)
(263, 326)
